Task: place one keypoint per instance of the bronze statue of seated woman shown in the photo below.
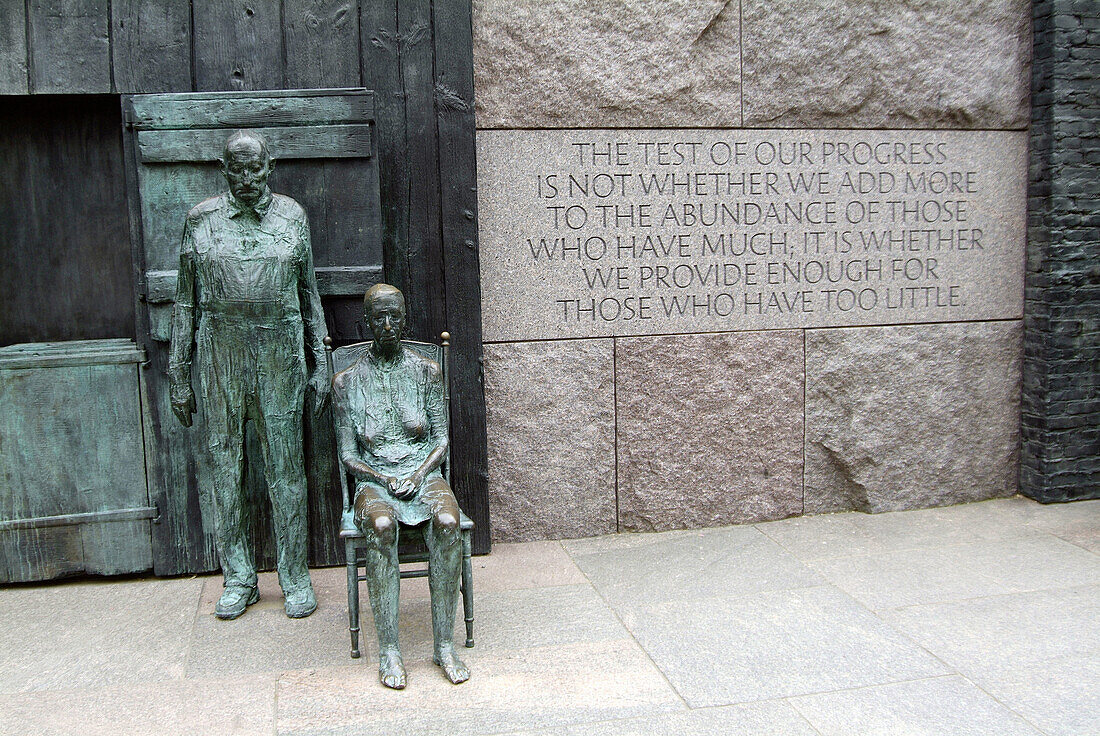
(392, 433)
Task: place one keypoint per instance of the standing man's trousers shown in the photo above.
(255, 369)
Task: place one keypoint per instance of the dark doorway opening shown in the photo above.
(65, 270)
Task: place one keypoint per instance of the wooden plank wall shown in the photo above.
(138, 46)
(415, 54)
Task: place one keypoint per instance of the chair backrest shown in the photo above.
(344, 357)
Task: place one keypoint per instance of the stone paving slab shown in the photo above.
(728, 561)
(766, 718)
(943, 706)
(1060, 695)
(855, 533)
(92, 634)
(512, 621)
(1077, 523)
(264, 639)
(510, 567)
(241, 706)
(536, 688)
(984, 620)
(722, 651)
(936, 575)
(996, 633)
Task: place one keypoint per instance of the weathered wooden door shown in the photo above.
(323, 143)
(73, 497)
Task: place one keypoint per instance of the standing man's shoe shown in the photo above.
(300, 603)
(234, 600)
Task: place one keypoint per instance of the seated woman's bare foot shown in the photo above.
(391, 670)
(452, 666)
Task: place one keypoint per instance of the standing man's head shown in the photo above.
(246, 164)
(384, 306)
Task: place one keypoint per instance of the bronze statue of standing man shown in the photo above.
(393, 430)
(248, 310)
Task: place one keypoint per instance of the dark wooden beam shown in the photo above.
(13, 48)
(454, 106)
(238, 45)
(70, 46)
(322, 43)
(151, 45)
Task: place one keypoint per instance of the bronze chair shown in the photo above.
(340, 359)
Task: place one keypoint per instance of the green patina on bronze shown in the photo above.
(247, 310)
(392, 430)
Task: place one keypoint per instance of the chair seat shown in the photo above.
(348, 530)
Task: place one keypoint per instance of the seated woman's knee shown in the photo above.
(383, 528)
(445, 524)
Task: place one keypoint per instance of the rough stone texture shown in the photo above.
(576, 64)
(709, 429)
(885, 63)
(913, 416)
(551, 435)
(1061, 411)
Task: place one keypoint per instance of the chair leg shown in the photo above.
(353, 596)
(468, 588)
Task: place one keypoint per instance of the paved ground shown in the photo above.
(978, 619)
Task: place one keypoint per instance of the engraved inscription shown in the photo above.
(590, 233)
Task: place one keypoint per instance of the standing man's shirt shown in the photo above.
(252, 265)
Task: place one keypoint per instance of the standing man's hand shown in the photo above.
(321, 385)
(183, 402)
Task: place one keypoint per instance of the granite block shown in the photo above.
(595, 233)
(569, 63)
(550, 416)
(709, 429)
(912, 416)
(882, 64)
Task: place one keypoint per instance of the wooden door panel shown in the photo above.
(292, 141)
(164, 190)
(229, 110)
(73, 495)
(323, 145)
